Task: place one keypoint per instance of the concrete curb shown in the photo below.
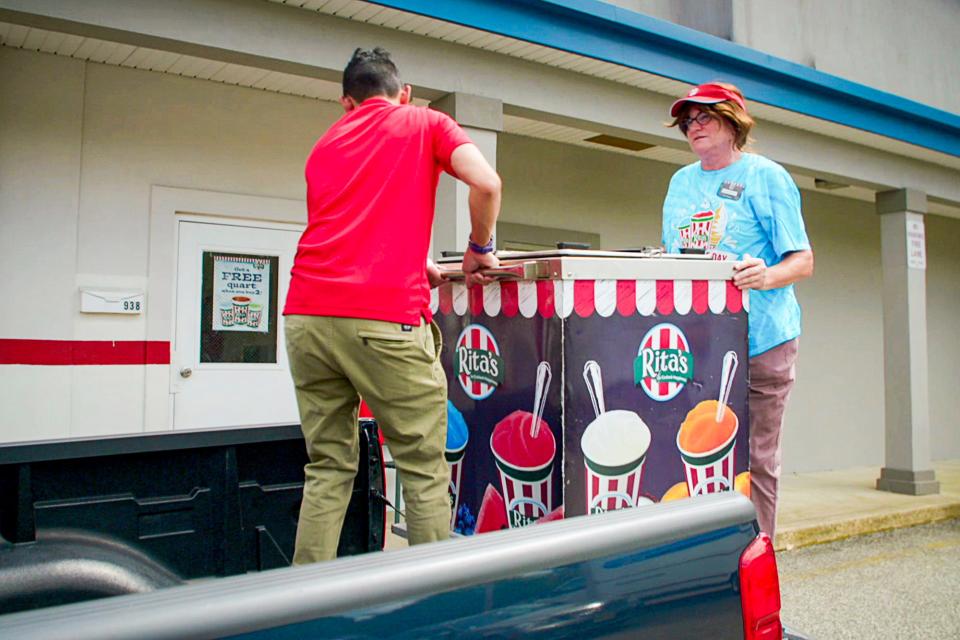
(796, 537)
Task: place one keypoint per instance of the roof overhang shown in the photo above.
(561, 37)
(608, 33)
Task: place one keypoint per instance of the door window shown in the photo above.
(238, 317)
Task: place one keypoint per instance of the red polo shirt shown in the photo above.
(371, 186)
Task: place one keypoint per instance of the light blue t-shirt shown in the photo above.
(749, 207)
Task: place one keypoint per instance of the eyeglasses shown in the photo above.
(702, 119)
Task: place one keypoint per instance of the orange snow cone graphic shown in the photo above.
(707, 437)
(700, 432)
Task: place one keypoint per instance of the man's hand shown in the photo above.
(474, 262)
(750, 273)
(435, 275)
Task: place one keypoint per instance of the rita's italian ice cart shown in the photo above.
(588, 381)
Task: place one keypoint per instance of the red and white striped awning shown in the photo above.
(585, 297)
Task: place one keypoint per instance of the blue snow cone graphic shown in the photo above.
(457, 437)
(457, 432)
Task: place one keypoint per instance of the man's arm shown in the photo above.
(484, 199)
(435, 275)
(753, 273)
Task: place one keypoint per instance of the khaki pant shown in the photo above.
(398, 373)
(772, 374)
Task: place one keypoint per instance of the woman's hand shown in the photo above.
(750, 273)
(753, 273)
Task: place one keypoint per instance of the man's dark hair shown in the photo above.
(369, 74)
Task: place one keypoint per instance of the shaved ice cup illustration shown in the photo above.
(614, 449)
(253, 315)
(524, 448)
(707, 439)
(701, 225)
(241, 306)
(684, 231)
(457, 437)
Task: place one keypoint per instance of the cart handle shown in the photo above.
(520, 271)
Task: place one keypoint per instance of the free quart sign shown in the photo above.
(241, 288)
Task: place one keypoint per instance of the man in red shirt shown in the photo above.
(358, 320)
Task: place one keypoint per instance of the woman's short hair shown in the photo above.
(733, 113)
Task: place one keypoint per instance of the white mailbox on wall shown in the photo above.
(111, 301)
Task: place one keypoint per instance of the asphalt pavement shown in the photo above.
(898, 584)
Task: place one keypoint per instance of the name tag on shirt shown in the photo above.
(730, 190)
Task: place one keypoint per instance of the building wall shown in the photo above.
(835, 417)
(556, 185)
(41, 107)
(943, 335)
(904, 48)
(82, 145)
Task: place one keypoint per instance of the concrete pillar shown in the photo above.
(907, 466)
(482, 119)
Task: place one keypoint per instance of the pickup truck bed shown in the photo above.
(89, 518)
(660, 571)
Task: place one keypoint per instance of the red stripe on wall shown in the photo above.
(84, 352)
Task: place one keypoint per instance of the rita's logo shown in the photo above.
(477, 363)
(664, 363)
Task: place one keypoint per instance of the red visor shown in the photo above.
(707, 94)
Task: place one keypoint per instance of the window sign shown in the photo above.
(241, 294)
(238, 308)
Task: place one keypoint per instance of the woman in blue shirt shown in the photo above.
(742, 207)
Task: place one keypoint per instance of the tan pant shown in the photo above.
(398, 373)
(772, 374)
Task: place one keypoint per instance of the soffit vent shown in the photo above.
(619, 143)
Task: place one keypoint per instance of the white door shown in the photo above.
(229, 365)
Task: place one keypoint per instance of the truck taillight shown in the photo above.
(760, 591)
